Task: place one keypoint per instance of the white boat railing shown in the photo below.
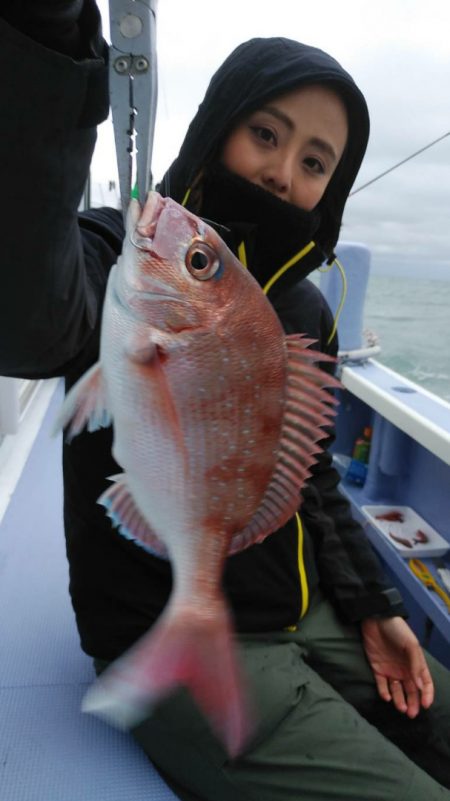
(422, 415)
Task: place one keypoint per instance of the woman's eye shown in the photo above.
(315, 165)
(265, 134)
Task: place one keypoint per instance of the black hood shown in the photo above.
(253, 73)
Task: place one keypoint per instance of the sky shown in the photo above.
(398, 53)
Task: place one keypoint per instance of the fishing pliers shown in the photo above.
(133, 92)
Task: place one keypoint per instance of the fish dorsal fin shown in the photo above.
(308, 407)
(125, 514)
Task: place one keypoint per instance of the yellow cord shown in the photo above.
(286, 266)
(343, 295)
(301, 567)
(301, 572)
(186, 197)
(300, 535)
(242, 254)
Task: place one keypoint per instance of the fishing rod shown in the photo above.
(403, 161)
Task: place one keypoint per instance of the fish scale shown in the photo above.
(217, 417)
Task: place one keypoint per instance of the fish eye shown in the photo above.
(202, 261)
(199, 260)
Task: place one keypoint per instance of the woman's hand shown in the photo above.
(398, 663)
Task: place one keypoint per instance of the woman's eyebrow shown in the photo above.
(315, 141)
(280, 115)
(324, 146)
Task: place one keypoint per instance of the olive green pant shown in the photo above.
(311, 743)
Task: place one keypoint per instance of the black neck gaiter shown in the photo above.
(272, 229)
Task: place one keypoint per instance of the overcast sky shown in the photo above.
(397, 51)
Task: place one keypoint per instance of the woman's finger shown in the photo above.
(383, 687)
(398, 695)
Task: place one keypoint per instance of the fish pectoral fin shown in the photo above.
(85, 404)
(308, 407)
(140, 348)
(126, 516)
(152, 349)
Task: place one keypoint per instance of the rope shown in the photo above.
(408, 158)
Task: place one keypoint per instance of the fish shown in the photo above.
(394, 516)
(217, 419)
(401, 540)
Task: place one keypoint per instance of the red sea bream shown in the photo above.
(216, 415)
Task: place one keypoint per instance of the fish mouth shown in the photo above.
(146, 225)
(138, 295)
(142, 242)
(143, 234)
(153, 288)
(131, 296)
(160, 215)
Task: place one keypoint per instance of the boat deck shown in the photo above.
(49, 750)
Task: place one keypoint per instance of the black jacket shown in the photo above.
(54, 266)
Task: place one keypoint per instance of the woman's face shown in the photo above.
(292, 145)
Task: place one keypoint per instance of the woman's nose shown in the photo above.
(277, 176)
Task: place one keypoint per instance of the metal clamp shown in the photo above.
(133, 92)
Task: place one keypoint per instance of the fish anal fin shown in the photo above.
(127, 517)
(191, 646)
(85, 405)
(308, 407)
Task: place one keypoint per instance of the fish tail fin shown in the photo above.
(194, 649)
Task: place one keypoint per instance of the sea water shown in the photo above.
(411, 318)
